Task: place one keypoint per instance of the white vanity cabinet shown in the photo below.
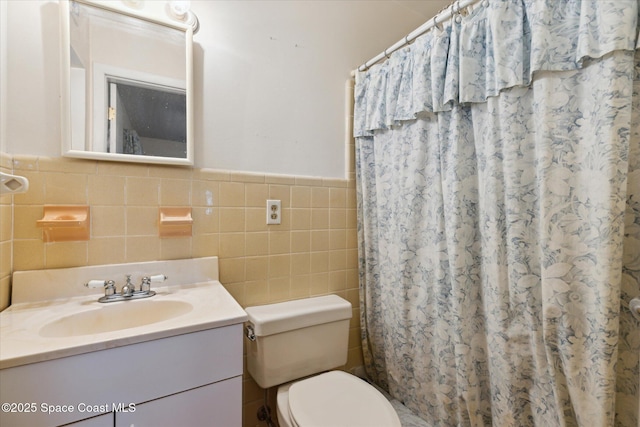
(214, 405)
(173, 359)
(193, 379)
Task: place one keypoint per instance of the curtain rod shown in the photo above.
(442, 16)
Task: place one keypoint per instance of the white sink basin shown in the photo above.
(53, 315)
(115, 316)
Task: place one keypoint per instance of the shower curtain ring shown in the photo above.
(386, 54)
(457, 11)
(437, 24)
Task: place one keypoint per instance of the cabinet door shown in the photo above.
(216, 405)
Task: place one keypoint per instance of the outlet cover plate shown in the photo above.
(274, 212)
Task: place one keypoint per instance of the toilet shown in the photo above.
(294, 345)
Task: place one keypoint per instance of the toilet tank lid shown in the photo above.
(290, 315)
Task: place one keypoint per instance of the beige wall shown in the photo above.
(6, 235)
(313, 251)
(268, 78)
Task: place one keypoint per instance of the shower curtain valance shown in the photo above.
(472, 60)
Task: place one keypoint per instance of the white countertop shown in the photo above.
(21, 343)
(41, 297)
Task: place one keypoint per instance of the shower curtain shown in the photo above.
(498, 182)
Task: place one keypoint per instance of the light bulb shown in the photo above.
(179, 8)
(136, 4)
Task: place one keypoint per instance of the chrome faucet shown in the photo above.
(129, 288)
(145, 286)
(128, 291)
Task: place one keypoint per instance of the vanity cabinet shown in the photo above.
(213, 405)
(192, 379)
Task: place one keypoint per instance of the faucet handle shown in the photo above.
(158, 278)
(108, 285)
(145, 286)
(148, 280)
(95, 284)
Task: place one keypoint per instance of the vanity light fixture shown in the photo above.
(177, 10)
(181, 10)
(136, 4)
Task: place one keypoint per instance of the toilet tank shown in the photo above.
(294, 339)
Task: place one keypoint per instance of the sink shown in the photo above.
(53, 316)
(109, 356)
(114, 317)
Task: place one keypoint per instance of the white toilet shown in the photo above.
(292, 340)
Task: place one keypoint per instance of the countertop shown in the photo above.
(21, 343)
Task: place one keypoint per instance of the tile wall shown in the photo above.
(313, 251)
(5, 237)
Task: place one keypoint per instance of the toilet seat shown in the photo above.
(338, 399)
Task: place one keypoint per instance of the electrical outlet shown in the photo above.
(274, 211)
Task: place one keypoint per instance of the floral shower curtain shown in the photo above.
(498, 175)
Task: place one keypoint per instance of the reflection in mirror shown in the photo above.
(128, 85)
(146, 119)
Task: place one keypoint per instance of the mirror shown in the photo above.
(126, 85)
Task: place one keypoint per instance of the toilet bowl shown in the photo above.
(335, 399)
(295, 345)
